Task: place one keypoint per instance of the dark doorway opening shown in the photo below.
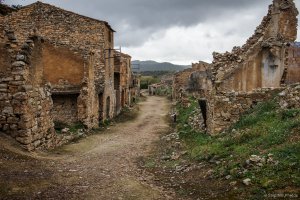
(107, 107)
(203, 108)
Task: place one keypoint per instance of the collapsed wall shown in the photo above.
(262, 61)
(181, 80)
(228, 107)
(25, 108)
(251, 73)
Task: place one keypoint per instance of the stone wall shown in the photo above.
(268, 59)
(122, 71)
(293, 70)
(181, 80)
(226, 108)
(44, 51)
(262, 61)
(180, 83)
(25, 108)
(84, 43)
(65, 108)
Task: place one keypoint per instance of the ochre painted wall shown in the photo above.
(62, 64)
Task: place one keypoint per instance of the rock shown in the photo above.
(18, 64)
(65, 130)
(270, 155)
(247, 181)
(175, 156)
(7, 110)
(282, 94)
(247, 162)
(228, 177)
(11, 36)
(260, 164)
(21, 57)
(233, 183)
(255, 158)
(165, 158)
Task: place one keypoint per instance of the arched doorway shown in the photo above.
(107, 107)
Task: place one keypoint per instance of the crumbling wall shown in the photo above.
(77, 38)
(181, 80)
(25, 108)
(65, 108)
(47, 45)
(226, 108)
(261, 62)
(109, 91)
(293, 70)
(122, 64)
(239, 77)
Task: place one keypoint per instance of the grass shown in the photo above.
(73, 128)
(127, 114)
(264, 129)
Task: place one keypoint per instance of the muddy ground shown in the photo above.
(110, 164)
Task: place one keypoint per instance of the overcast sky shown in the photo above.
(177, 31)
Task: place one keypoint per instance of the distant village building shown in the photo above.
(57, 67)
(125, 89)
(181, 80)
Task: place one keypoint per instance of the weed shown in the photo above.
(264, 129)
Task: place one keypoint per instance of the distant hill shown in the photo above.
(151, 65)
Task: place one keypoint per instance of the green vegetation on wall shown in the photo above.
(263, 146)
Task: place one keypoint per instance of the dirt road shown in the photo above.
(101, 166)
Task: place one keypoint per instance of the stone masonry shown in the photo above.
(268, 63)
(263, 60)
(54, 64)
(255, 71)
(122, 76)
(181, 79)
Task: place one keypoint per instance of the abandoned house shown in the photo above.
(134, 87)
(56, 66)
(269, 62)
(263, 62)
(181, 79)
(122, 81)
(250, 74)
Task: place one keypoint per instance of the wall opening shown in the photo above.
(203, 108)
(116, 81)
(64, 109)
(107, 107)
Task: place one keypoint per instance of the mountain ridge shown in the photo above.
(151, 65)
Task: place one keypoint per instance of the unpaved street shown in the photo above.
(101, 166)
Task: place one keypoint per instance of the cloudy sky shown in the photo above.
(177, 31)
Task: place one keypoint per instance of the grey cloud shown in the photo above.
(145, 17)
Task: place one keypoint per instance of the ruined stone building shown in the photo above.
(181, 80)
(252, 73)
(134, 86)
(55, 66)
(122, 81)
(267, 63)
(263, 62)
